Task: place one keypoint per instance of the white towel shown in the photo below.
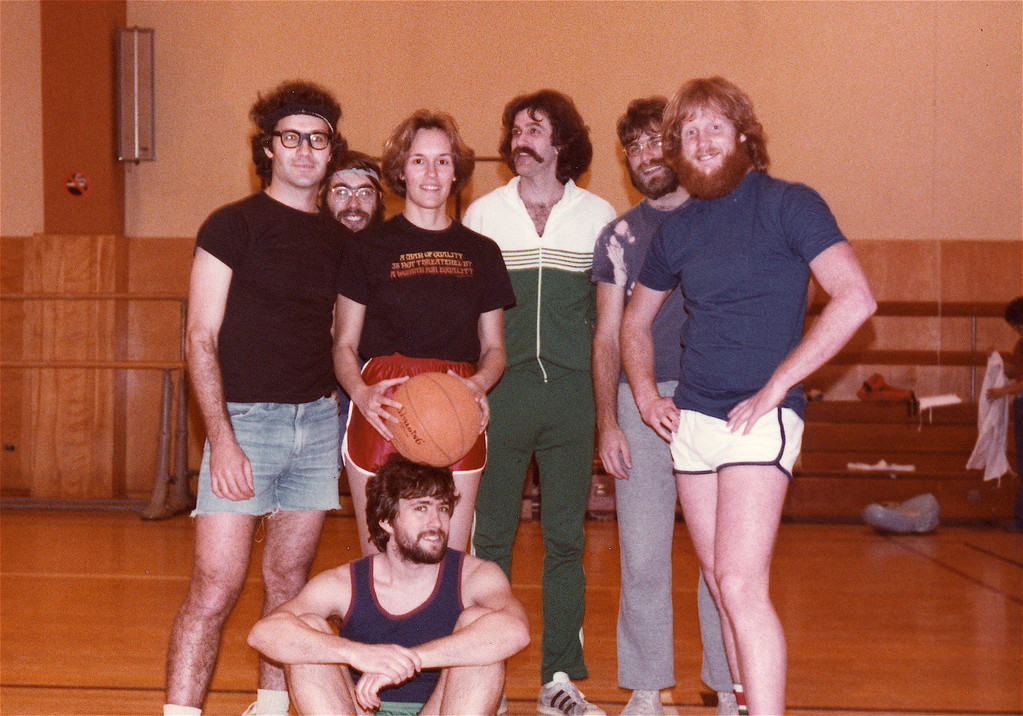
(992, 424)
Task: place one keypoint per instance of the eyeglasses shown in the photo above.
(291, 139)
(363, 193)
(637, 147)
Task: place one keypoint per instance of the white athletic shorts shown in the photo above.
(703, 445)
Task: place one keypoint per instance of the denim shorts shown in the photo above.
(294, 454)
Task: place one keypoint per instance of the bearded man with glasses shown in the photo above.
(352, 191)
(261, 306)
(646, 492)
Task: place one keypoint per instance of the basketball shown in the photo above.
(439, 419)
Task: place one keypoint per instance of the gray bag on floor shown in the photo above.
(916, 515)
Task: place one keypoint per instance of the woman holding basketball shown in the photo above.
(419, 293)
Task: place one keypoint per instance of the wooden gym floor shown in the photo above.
(875, 624)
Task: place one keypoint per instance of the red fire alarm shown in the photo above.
(77, 184)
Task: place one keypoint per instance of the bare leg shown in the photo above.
(750, 500)
(291, 540)
(223, 543)
(357, 480)
(321, 688)
(469, 690)
(467, 484)
(698, 495)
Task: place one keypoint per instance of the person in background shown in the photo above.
(645, 494)
(352, 192)
(1014, 389)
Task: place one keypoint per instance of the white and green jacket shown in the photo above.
(551, 325)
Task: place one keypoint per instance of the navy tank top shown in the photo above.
(368, 623)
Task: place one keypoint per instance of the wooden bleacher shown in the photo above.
(937, 443)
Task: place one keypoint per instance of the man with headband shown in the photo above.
(352, 192)
(260, 311)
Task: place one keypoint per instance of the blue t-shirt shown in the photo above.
(618, 258)
(743, 264)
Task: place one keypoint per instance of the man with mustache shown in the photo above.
(546, 227)
(742, 250)
(260, 311)
(352, 191)
(645, 494)
(422, 627)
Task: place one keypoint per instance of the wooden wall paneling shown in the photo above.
(156, 265)
(903, 270)
(119, 387)
(929, 270)
(981, 270)
(70, 412)
(154, 335)
(12, 320)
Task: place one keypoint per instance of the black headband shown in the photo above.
(268, 122)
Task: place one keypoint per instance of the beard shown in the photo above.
(721, 181)
(655, 187)
(412, 550)
(354, 219)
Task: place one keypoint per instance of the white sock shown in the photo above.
(270, 702)
(175, 710)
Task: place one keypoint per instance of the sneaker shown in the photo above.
(560, 696)
(253, 710)
(727, 705)
(644, 703)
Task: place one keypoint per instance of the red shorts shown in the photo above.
(366, 448)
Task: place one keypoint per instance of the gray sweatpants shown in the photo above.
(646, 523)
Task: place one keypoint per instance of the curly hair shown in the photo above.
(401, 479)
(641, 115)
(719, 94)
(286, 99)
(571, 136)
(397, 147)
(347, 161)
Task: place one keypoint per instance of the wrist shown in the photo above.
(606, 422)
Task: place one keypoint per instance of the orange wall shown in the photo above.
(905, 115)
(21, 130)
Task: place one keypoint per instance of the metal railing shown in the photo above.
(972, 358)
(171, 491)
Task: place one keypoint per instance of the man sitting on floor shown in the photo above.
(423, 629)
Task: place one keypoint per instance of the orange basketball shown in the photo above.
(439, 419)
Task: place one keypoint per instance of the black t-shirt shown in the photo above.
(424, 291)
(275, 341)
